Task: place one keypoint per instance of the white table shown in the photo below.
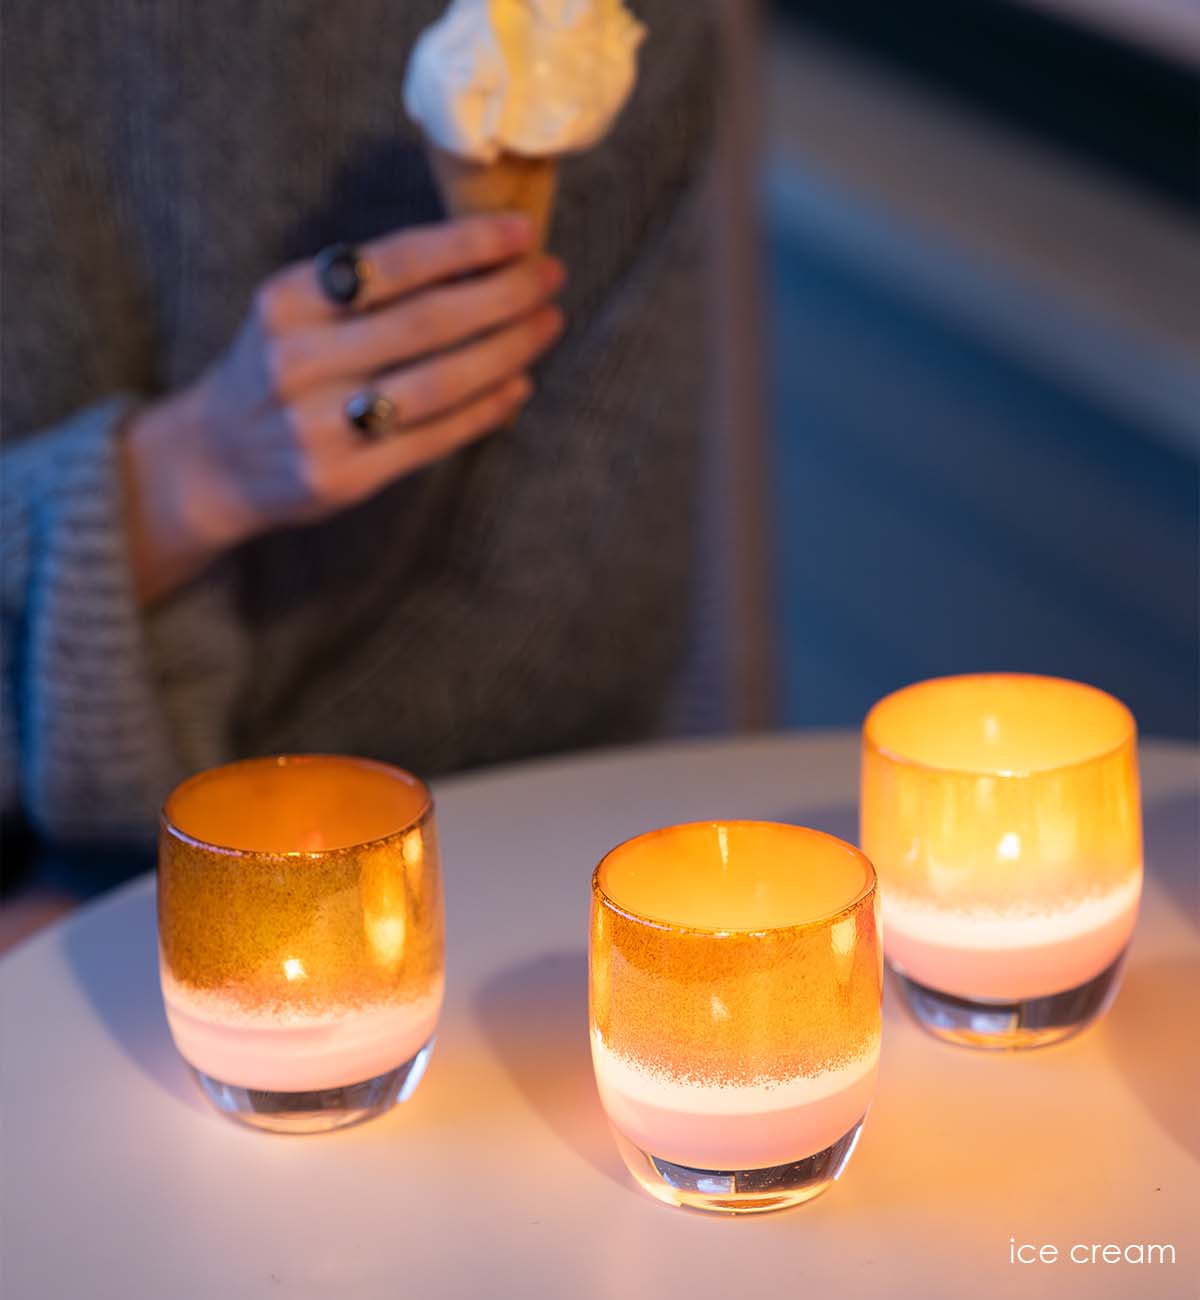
(499, 1178)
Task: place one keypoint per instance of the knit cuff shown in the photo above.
(94, 752)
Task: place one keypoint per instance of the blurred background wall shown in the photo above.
(981, 271)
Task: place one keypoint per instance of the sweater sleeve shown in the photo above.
(89, 742)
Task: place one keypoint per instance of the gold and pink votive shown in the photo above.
(1002, 813)
(735, 975)
(301, 937)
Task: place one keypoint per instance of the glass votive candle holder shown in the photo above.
(735, 989)
(301, 937)
(1003, 814)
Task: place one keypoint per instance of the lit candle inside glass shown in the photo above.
(1002, 814)
(735, 1003)
(300, 925)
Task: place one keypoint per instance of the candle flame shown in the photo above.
(843, 936)
(386, 934)
(1009, 848)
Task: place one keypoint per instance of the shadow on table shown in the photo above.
(116, 967)
(534, 1016)
(1151, 1033)
(1173, 849)
(1152, 1026)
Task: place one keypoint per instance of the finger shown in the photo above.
(399, 264)
(416, 327)
(377, 464)
(420, 392)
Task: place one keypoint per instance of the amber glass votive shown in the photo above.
(735, 1010)
(1003, 814)
(301, 937)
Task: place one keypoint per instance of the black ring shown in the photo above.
(371, 414)
(341, 273)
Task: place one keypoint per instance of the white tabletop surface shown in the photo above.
(499, 1177)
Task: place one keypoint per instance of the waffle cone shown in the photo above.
(510, 184)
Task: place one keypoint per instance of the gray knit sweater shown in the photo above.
(527, 595)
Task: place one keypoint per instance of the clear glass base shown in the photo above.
(1004, 1026)
(740, 1191)
(321, 1110)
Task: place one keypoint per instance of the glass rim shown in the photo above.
(600, 894)
(1006, 774)
(168, 827)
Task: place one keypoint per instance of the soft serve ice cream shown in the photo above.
(502, 88)
(530, 77)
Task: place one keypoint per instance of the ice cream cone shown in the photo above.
(510, 184)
